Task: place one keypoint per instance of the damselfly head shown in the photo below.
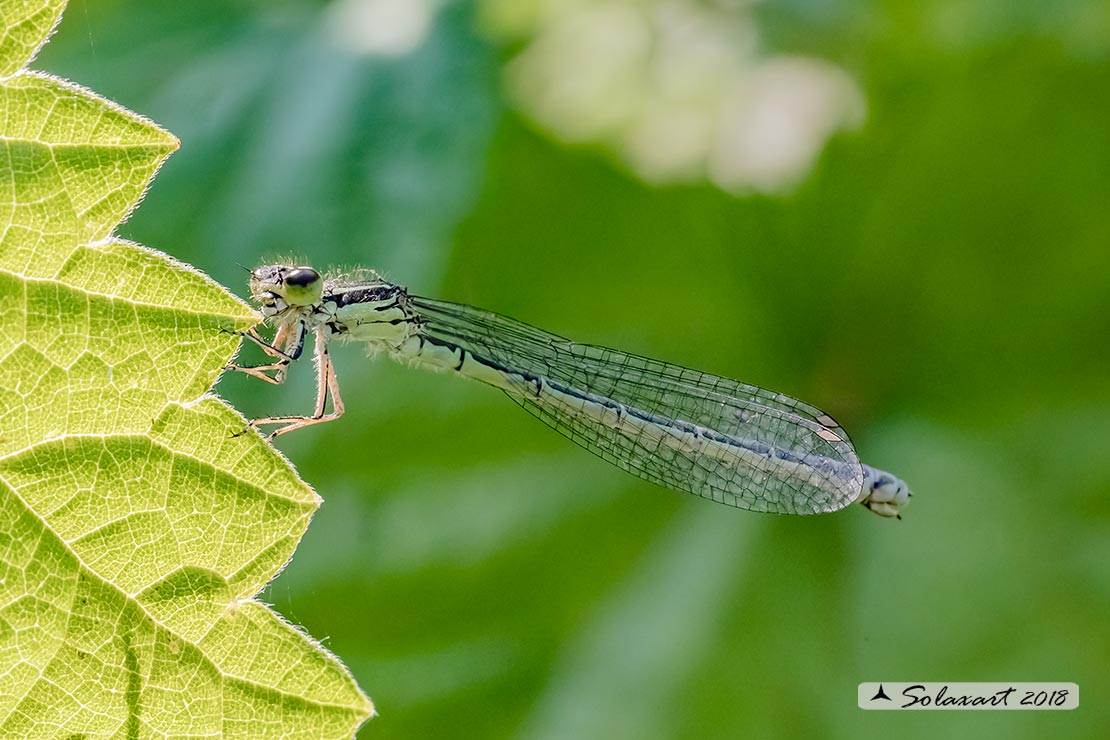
(276, 287)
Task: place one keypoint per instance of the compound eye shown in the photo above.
(301, 286)
(301, 277)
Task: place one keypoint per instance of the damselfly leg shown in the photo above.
(286, 347)
(327, 384)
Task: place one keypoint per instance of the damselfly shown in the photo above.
(731, 442)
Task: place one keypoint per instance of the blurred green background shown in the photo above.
(895, 210)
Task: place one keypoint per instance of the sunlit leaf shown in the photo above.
(136, 525)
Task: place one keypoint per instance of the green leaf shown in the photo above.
(136, 523)
(25, 26)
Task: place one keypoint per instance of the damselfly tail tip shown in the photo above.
(883, 493)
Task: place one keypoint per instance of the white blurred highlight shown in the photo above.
(389, 28)
(678, 89)
(581, 75)
(772, 132)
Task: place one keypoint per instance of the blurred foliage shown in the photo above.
(938, 282)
